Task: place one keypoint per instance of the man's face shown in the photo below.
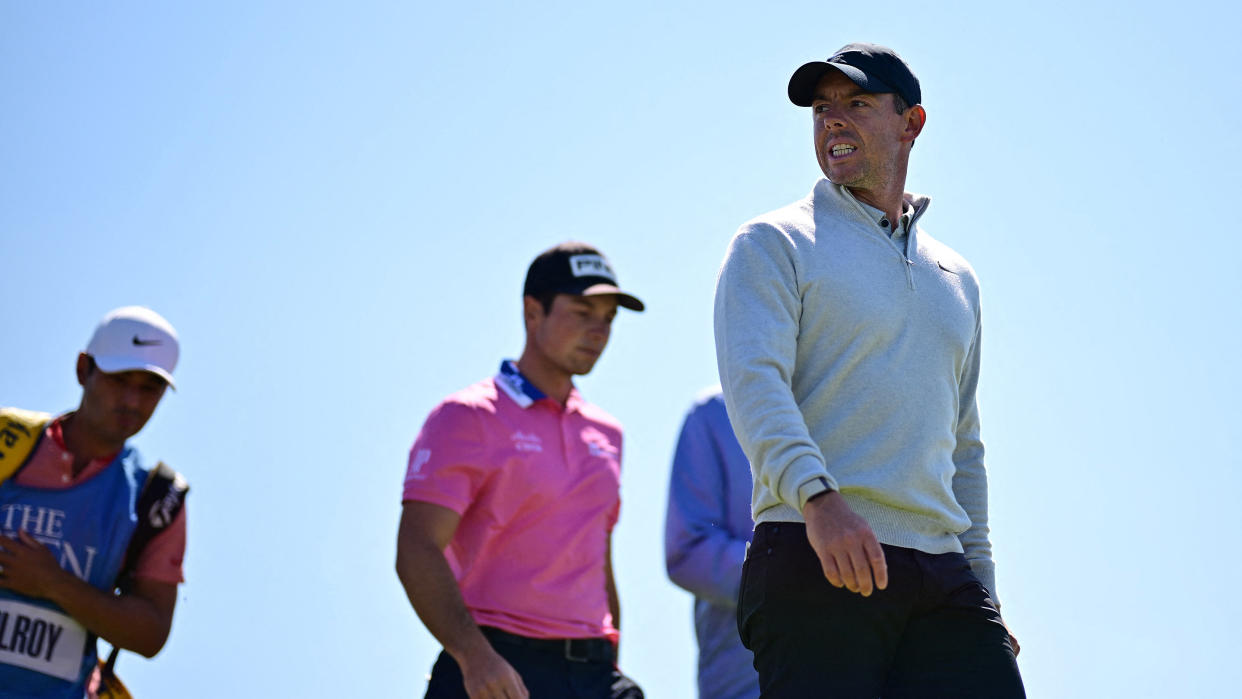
(116, 406)
(860, 139)
(572, 335)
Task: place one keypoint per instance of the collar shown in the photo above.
(843, 202)
(881, 218)
(913, 206)
(526, 394)
(511, 381)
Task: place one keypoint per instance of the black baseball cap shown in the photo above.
(578, 269)
(872, 67)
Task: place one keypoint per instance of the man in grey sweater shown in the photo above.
(848, 345)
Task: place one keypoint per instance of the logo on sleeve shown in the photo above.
(418, 460)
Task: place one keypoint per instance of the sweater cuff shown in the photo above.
(809, 478)
(810, 489)
(985, 571)
(801, 479)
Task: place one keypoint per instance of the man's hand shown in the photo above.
(137, 621)
(1013, 640)
(847, 548)
(27, 567)
(486, 675)
(424, 531)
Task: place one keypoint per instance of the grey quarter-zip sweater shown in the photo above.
(849, 363)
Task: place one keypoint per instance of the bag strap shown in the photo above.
(20, 431)
(159, 503)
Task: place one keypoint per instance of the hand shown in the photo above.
(1013, 640)
(27, 567)
(847, 548)
(486, 675)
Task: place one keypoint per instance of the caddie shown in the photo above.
(91, 539)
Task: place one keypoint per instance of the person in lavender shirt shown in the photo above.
(706, 530)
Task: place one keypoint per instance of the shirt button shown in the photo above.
(64, 479)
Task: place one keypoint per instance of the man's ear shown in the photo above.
(83, 368)
(916, 118)
(532, 311)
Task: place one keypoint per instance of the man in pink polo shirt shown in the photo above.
(511, 494)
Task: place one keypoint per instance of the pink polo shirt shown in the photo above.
(538, 490)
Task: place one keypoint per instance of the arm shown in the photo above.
(970, 481)
(614, 601)
(138, 621)
(701, 553)
(429, 583)
(758, 308)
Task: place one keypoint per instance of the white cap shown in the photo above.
(135, 338)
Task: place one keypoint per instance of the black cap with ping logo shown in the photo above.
(578, 269)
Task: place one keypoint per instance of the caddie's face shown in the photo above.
(573, 334)
(117, 406)
(860, 139)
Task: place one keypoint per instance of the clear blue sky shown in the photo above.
(335, 206)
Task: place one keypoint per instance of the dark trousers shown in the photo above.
(933, 632)
(546, 671)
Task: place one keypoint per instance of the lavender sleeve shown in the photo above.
(708, 524)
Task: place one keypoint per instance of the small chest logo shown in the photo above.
(526, 441)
